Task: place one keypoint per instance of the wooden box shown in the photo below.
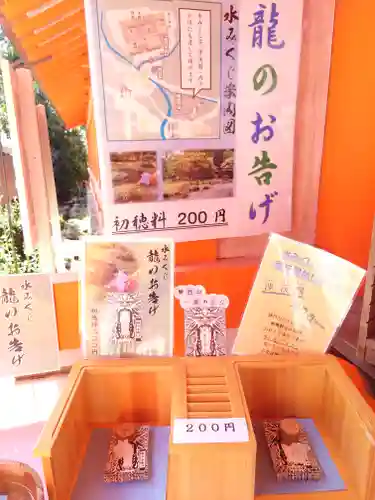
(157, 391)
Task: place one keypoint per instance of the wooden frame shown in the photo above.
(13, 108)
(30, 138)
(53, 213)
(366, 337)
(355, 340)
(318, 19)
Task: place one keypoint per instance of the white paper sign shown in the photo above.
(195, 104)
(195, 43)
(210, 430)
(28, 332)
(299, 298)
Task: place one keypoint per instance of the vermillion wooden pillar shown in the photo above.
(33, 153)
(53, 209)
(18, 153)
(29, 165)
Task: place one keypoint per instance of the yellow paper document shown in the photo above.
(299, 298)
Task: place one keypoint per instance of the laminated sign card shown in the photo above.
(127, 297)
(28, 332)
(204, 320)
(300, 297)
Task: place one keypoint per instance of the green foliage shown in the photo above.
(72, 229)
(8, 52)
(69, 153)
(199, 165)
(13, 259)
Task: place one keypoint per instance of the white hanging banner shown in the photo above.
(195, 106)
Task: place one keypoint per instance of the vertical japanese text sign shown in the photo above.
(270, 45)
(28, 331)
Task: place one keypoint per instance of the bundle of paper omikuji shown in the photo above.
(128, 455)
(205, 321)
(291, 453)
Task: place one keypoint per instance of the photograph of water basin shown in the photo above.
(203, 174)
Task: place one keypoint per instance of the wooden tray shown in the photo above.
(157, 391)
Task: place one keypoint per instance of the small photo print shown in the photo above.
(134, 177)
(198, 175)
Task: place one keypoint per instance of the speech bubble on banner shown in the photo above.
(195, 50)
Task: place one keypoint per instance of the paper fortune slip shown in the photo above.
(299, 299)
(204, 321)
(127, 297)
(128, 454)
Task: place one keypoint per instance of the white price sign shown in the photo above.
(210, 430)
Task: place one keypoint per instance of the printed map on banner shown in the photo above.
(28, 332)
(169, 83)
